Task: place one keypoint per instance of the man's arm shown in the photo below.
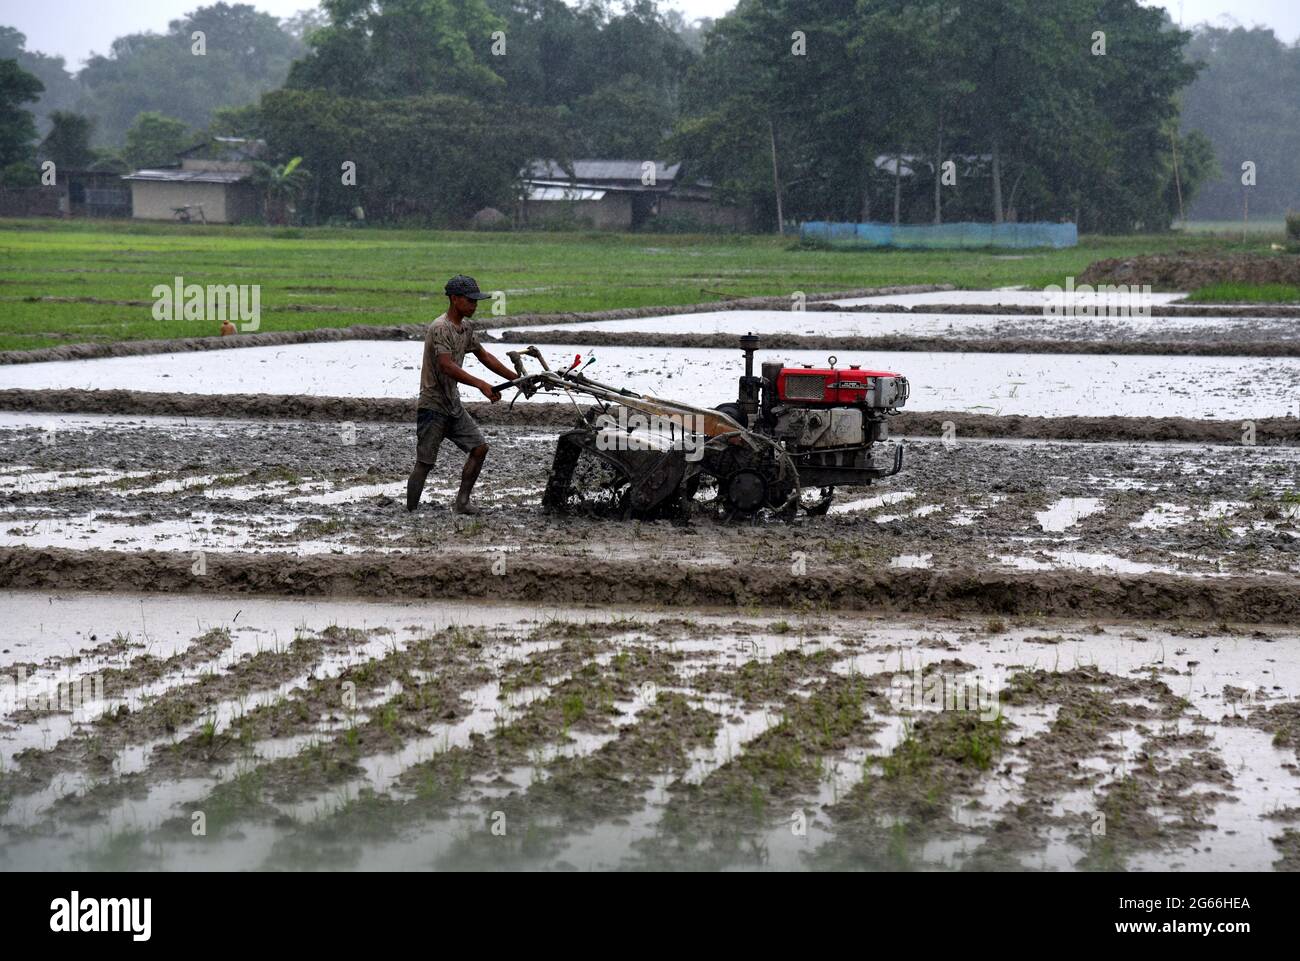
(491, 363)
(451, 369)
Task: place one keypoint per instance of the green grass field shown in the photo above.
(378, 276)
(1246, 293)
(1234, 228)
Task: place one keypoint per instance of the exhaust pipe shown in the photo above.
(749, 384)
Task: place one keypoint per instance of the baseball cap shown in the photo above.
(463, 286)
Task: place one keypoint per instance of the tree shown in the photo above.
(558, 54)
(68, 142)
(823, 122)
(281, 186)
(243, 121)
(1197, 165)
(401, 48)
(911, 106)
(691, 31)
(1009, 91)
(409, 155)
(17, 125)
(1133, 109)
(155, 140)
(553, 54)
(628, 119)
(733, 130)
(1244, 102)
(245, 53)
(1020, 57)
(641, 43)
(62, 91)
(304, 23)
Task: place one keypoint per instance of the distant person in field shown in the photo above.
(227, 328)
(440, 415)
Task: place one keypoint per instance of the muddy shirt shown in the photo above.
(437, 390)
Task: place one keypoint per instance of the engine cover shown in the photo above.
(824, 385)
(808, 427)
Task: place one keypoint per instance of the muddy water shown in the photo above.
(1105, 332)
(500, 737)
(1024, 384)
(298, 489)
(1015, 297)
(611, 719)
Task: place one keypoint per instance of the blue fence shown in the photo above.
(941, 236)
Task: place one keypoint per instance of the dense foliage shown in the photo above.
(917, 111)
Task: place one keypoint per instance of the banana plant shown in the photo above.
(281, 186)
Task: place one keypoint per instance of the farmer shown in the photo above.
(440, 415)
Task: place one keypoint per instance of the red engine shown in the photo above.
(808, 386)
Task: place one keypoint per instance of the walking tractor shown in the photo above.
(791, 430)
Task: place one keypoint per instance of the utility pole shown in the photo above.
(1182, 215)
(776, 179)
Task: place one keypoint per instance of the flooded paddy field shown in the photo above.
(1057, 640)
(1042, 385)
(1109, 329)
(991, 328)
(133, 484)
(238, 732)
(1018, 297)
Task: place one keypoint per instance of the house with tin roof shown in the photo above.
(211, 182)
(619, 195)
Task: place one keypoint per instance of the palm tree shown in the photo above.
(281, 185)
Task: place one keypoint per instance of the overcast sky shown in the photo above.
(77, 28)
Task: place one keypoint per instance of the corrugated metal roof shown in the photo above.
(910, 163)
(619, 188)
(233, 148)
(565, 193)
(176, 175)
(602, 170)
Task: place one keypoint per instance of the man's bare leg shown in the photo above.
(415, 484)
(473, 464)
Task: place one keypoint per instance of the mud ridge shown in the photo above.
(1100, 314)
(267, 406)
(910, 342)
(1268, 430)
(1174, 272)
(567, 580)
(280, 338)
(783, 302)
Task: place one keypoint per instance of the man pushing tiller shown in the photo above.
(440, 415)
